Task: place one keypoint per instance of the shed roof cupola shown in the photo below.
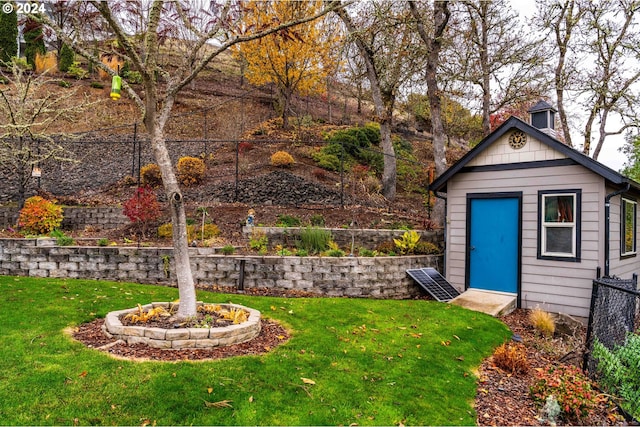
(543, 116)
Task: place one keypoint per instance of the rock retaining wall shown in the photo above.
(76, 218)
(379, 277)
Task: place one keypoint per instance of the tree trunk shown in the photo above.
(389, 171)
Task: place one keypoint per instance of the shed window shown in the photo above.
(628, 227)
(559, 227)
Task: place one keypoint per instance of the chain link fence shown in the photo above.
(614, 313)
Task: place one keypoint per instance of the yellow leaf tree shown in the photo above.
(295, 61)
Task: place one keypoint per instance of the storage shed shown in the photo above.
(529, 216)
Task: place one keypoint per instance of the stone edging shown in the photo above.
(180, 338)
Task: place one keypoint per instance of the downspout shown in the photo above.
(444, 230)
(607, 225)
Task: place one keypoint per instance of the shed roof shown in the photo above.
(613, 177)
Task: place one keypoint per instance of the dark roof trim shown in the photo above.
(615, 178)
(519, 165)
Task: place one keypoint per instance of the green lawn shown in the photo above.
(373, 363)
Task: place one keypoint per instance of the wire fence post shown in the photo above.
(135, 139)
(235, 194)
(205, 133)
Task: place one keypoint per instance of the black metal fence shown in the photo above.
(614, 314)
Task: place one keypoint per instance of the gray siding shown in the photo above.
(556, 286)
(623, 268)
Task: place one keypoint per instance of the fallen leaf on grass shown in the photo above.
(220, 404)
(307, 381)
(210, 390)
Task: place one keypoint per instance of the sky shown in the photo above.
(609, 156)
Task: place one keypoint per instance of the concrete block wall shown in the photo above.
(76, 217)
(380, 277)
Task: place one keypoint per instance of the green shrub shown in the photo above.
(426, 248)
(314, 240)
(364, 252)
(97, 85)
(619, 372)
(39, 216)
(190, 170)
(259, 242)
(228, 250)
(570, 387)
(302, 252)
(336, 253)
(327, 161)
(64, 83)
(61, 238)
(134, 77)
(317, 220)
(285, 220)
(76, 71)
(103, 242)
(66, 58)
(408, 242)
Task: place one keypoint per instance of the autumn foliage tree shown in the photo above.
(295, 61)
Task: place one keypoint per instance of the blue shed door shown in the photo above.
(494, 243)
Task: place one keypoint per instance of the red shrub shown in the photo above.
(143, 208)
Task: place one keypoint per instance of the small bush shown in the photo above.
(97, 85)
(244, 146)
(194, 232)
(511, 357)
(571, 388)
(364, 252)
(133, 77)
(281, 159)
(61, 238)
(228, 250)
(619, 372)
(327, 161)
(314, 240)
(64, 83)
(190, 170)
(143, 208)
(408, 242)
(319, 173)
(103, 241)
(76, 71)
(66, 58)
(426, 248)
(386, 247)
(285, 220)
(39, 216)
(258, 242)
(165, 231)
(336, 253)
(317, 220)
(542, 322)
(150, 175)
(209, 231)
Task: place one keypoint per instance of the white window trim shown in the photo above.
(545, 225)
(623, 225)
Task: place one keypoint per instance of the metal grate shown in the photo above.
(433, 282)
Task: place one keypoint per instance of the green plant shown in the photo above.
(334, 250)
(386, 247)
(228, 250)
(258, 241)
(21, 63)
(133, 77)
(313, 239)
(66, 58)
(408, 242)
(142, 208)
(302, 252)
(619, 372)
(426, 248)
(64, 83)
(511, 357)
(281, 159)
(97, 85)
(327, 161)
(317, 220)
(285, 220)
(103, 242)
(76, 71)
(542, 322)
(150, 175)
(571, 388)
(61, 238)
(282, 251)
(39, 216)
(367, 252)
(190, 170)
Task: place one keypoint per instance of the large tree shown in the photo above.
(294, 61)
(385, 38)
(611, 89)
(495, 56)
(562, 20)
(203, 35)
